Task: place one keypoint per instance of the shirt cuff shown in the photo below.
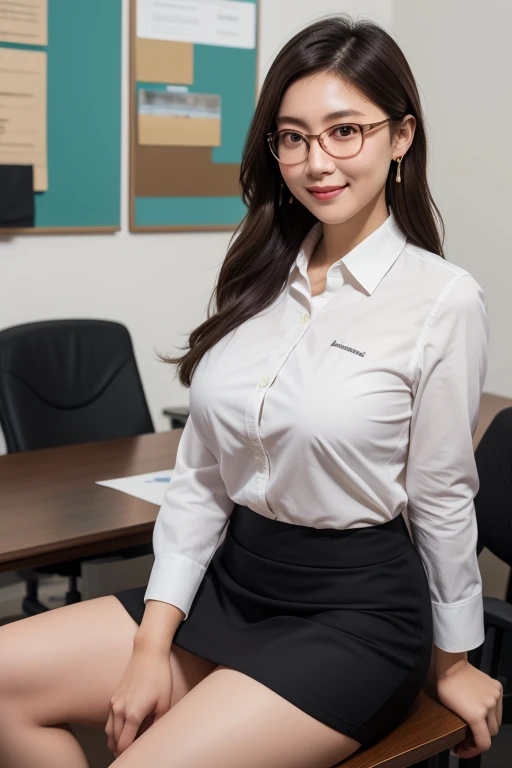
(174, 579)
(459, 626)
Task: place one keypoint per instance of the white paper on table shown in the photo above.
(151, 486)
(230, 23)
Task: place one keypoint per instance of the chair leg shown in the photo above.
(472, 762)
(73, 595)
(31, 605)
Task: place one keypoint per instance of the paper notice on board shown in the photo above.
(178, 118)
(230, 23)
(23, 133)
(24, 21)
(164, 61)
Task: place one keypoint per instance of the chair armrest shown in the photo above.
(497, 613)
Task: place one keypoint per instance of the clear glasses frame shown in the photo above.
(363, 127)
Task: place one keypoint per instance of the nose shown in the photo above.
(319, 161)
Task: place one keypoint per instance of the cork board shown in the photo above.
(184, 171)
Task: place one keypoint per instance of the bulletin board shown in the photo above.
(192, 183)
(83, 119)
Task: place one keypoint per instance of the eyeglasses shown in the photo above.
(291, 147)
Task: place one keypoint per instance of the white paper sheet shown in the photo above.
(211, 22)
(149, 487)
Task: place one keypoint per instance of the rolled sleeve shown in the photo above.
(442, 478)
(189, 524)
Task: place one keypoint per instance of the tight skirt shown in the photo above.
(336, 621)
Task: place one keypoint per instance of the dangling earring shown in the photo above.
(398, 177)
(281, 194)
(291, 199)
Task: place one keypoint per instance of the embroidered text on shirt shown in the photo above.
(349, 349)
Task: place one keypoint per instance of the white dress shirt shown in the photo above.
(342, 410)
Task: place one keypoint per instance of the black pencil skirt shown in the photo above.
(338, 622)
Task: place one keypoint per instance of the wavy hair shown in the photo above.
(264, 246)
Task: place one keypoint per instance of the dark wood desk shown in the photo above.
(52, 510)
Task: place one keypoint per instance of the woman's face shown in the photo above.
(310, 100)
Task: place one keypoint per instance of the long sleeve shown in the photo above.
(189, 524)
(442, 478)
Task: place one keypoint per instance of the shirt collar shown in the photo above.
(369, 261)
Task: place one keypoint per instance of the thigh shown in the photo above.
(63, 666)
(229, 720)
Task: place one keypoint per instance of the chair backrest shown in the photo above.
(69, 381)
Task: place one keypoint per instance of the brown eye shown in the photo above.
(291, 137)
(346, 131)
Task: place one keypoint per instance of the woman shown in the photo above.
(289, 619)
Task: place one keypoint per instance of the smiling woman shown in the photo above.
(335, 387)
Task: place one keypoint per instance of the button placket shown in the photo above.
(254, 408)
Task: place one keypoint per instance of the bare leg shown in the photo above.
(63, 666)
(231, 720)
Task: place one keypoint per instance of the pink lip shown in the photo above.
(326, 193)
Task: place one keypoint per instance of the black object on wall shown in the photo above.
(16, 196)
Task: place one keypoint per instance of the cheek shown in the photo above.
(291, 175)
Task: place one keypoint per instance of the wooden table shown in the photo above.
(51, 510)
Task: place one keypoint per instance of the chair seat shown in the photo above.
(428, 729)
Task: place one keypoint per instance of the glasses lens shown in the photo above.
(289, 147)
(340, 141)
(343, 140)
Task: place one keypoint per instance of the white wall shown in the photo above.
(156, 284)
(460, 54)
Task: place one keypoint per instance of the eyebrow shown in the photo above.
(331, 116)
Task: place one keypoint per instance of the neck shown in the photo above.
(340, 239)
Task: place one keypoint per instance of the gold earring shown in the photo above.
(281, 194)
(398, 176)
(291, 199)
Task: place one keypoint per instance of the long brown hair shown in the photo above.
(264, 246)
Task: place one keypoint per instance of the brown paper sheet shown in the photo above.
(24, 22)
(163, 130)
(183, 172)
(23, 131)
(164, 61)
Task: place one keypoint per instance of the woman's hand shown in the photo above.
(476, 698)
(141, 698)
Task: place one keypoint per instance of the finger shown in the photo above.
(481, 734)
(108, 726)
(131, 726)
(499, 709)
(109, 730)
(118, 717)
(492, 722)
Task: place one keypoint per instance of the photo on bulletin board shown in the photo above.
(192, 98)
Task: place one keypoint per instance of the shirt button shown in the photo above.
(304, 317)
(263, 383)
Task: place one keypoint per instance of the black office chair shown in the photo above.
(493, 505)
(64, 382)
